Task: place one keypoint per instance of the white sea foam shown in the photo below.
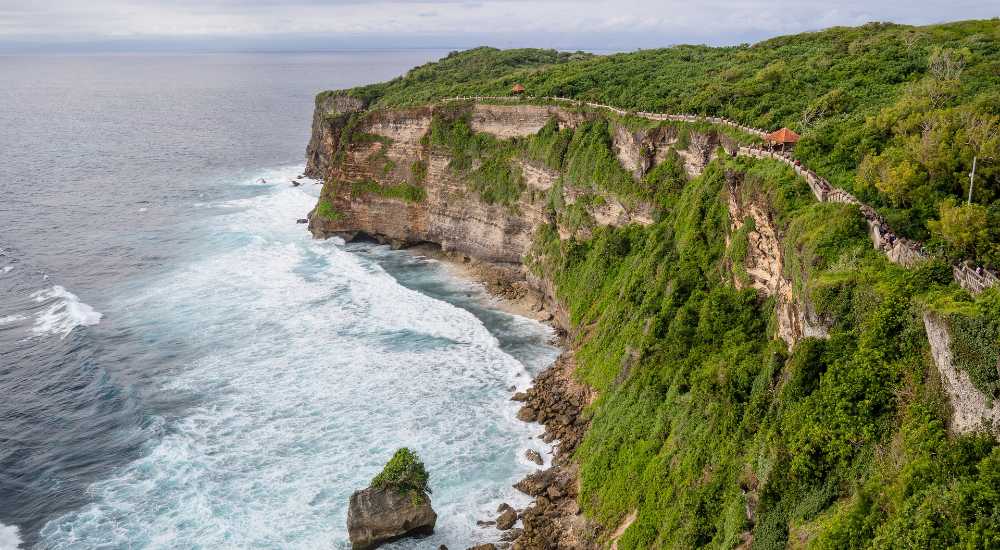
(11, 319)
(8, 268)
(313, 366)
(63, 313)
(10, 537)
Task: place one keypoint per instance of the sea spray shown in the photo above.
(310, 365)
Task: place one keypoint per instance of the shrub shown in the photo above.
(404, 473)
(326, 210)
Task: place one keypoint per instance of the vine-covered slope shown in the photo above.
(672, 263)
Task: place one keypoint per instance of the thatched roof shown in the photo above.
(783, 135)
(517, 89)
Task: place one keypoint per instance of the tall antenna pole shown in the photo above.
(972, 176)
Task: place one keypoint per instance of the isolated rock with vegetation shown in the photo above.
(397, 504)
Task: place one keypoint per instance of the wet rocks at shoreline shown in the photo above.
(534, 456)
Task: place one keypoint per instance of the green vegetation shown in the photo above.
(401, 191)
(974, 327)
(404, 473)
(486, 162)
(840, 443)
(892, 113)
(461, 74)
(326, 210)
(715, 431)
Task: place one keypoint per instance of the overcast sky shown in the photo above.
(332, 24)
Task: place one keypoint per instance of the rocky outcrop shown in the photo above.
(376, 516)
(449, 214)
(332, 113)
(507, 121)
(970, 409)
(764, 264)
(554, 520)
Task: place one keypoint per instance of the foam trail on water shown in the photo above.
(313, 365)
(10, 537)
(64, 312)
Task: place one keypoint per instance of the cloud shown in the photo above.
(671, 21)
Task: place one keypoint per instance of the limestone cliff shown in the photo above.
(394, 151)
(970, 409)
(764, 263)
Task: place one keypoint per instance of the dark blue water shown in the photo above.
(180, 364)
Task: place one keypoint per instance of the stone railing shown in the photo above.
(898, 249)
(974, 279)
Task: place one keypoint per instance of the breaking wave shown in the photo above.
(309, 366)
(63, 312)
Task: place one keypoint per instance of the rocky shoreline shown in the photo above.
(555, 400)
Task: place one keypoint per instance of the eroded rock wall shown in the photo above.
(970, 409)
(764, 264)
(451, 214)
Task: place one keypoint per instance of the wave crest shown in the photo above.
(63, 314)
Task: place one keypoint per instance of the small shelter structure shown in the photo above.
(783, 138)
(518, 89)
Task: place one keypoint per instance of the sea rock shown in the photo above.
(535, 484)
(481, 523)
(503, 508)
(534, 456)
(507, 519)
(296, 183)
(527, 414)
(511, 535)
(488, 546)
(520, 397)
(376, 516)
(302, 220)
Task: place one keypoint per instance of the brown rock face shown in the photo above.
(376, 516)
(450, 214)
(764, 264)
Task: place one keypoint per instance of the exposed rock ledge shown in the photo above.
(971, 410)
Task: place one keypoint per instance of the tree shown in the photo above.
(963, 228)
(982, 134)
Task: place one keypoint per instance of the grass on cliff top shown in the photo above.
(838, 443)
(893, 113)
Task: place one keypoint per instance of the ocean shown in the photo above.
(181, 364)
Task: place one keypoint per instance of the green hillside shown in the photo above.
(893, 113)
(706, 424)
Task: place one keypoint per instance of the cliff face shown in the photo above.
(449, 213)
(659, 301)
(970, 409)
(764, 264)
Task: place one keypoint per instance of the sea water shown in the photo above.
(182, 365)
